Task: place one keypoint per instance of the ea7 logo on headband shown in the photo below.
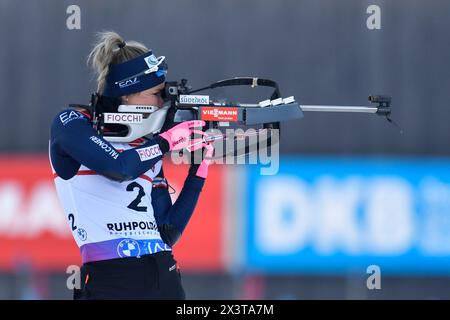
(127, 83)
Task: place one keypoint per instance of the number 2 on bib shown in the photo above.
(134, 205)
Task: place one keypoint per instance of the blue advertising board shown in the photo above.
(338, 215)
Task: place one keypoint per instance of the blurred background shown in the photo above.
(354, 200)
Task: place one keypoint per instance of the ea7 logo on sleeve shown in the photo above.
(149, 152)
(68, 116)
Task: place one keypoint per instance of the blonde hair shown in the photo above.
(111, 48)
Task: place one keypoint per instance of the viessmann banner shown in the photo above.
(34, 231)
(330, 215)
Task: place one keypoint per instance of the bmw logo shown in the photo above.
(82, 234)
(128, 248)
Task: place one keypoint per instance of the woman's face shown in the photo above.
(149, 97)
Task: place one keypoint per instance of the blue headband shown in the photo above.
(139, 74)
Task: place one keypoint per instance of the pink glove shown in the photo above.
(179, 137)
(202, 170)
